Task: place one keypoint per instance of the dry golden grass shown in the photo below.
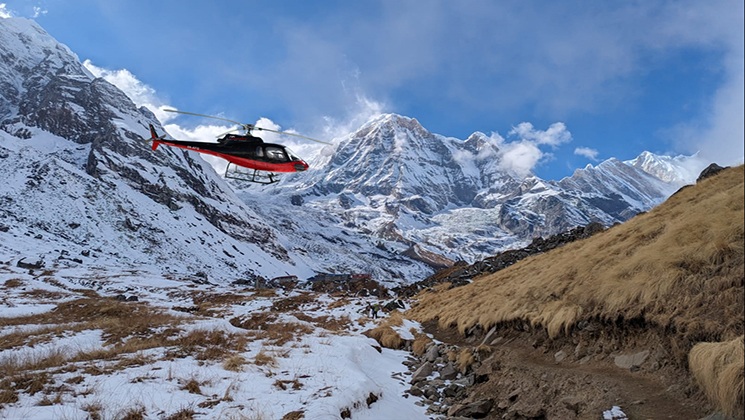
(13, 283)
(720, 370)
(294, 415)
(192, 386)
(395, 319)
(284, 384)
(234, 363)
(263, 358)
(385, 335)
(292, 303)
(334, 324)
(43, 295)
(465, 360)
(421, 341)
(679, 267)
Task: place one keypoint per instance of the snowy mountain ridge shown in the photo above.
(70, 141)
(409, 189)
(392, 199)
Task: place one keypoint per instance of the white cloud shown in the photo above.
(523, 154)
(555, 135)
(140, 93)
(520, 157)
(5, 12)
(38, 11)
(587, 152)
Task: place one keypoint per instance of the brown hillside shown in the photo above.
(677, 270)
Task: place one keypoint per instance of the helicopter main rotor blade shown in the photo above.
(247, 127)
(208, 116)
(230, 131)
(290, 134)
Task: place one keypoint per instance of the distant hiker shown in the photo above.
(374, 310)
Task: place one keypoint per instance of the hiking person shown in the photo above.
(375, 308)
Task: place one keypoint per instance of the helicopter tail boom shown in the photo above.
(154, 137)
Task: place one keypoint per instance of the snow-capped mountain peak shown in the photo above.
(678, 170)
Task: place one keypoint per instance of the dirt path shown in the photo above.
(597, 385)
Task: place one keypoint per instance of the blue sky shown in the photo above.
(620, 77)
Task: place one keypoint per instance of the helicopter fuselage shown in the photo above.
(246, 151)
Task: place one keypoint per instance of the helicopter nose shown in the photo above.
(301, 166)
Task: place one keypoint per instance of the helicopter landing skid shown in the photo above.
(257, 176)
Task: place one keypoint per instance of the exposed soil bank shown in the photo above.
(524, 375)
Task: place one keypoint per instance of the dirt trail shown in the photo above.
(594, 386)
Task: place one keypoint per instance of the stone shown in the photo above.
(572, 403)
(710, 171)
(454, 391)
(31, 266)
(490, 336)
(580, 351)
(478, 409)
(715, 416)
(448, 372)
(421, 373)
(432, 354)
(626, 361)
(431, 393)
(560, 356)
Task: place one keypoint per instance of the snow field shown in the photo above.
(208, 367)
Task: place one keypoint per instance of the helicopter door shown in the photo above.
(275, 154)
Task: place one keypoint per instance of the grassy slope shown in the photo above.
(678, 268)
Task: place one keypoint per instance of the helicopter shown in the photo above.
(243, 150)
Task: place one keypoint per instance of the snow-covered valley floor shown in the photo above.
(70, 350)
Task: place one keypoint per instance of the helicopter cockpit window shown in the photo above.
(259, 151)
(275, 154)
(292, 155)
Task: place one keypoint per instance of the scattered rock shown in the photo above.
(490, 336)
(572, 403)
(560, 356)
(132, 299)
(448, 372)
(626, 361)
(421, 373)
(416, 391)
(432, 354)
(710, 171)
(31, 266)
(476, 410)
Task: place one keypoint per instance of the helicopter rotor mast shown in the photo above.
(247, 127)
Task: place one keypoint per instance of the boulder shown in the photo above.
(421, 373)
(476, 410)
(448, 372)
(710, 171)
(626, 361)
(432, 354)
(31, 266)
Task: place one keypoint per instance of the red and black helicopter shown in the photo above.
(244, 150)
